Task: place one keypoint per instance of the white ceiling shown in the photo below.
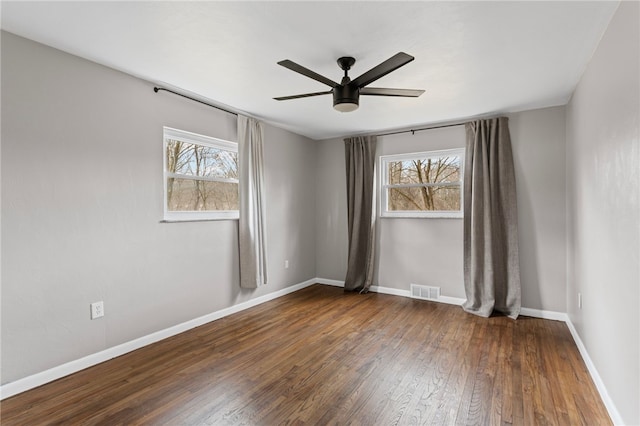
(473, 58)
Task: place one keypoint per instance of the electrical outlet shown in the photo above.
(286, 264)
(97, 310)
(579, 300)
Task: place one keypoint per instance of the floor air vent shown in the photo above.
(424, 292)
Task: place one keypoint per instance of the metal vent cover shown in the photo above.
(425, 292)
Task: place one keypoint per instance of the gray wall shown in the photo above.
(429, 251)
(81, 204)
(331, 210)
(603, 177)
(538, 139)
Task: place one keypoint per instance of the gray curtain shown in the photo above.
(491, 261)
(252, 231)
(360, 162)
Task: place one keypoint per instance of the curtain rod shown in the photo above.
(412, 131)
(157, 89)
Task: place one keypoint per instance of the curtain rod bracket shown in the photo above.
(413, 131)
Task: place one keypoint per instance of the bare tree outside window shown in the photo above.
(422, 183)
(200, 177)
(200, 161)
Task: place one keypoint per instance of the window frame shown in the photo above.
(169, 133)
(385, 186)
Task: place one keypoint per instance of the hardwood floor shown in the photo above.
(322, 356)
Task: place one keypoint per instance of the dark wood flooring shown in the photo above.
(322, 356)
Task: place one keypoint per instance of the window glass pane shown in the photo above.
(200, 160)
(424, 170)
(198, 195)
(432, 198)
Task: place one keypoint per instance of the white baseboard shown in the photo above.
(389, 290)
(334, 283)
(407, 293)
(595, 376)
(550, 315)
(451, 300)
(392, 291)
(13, 388)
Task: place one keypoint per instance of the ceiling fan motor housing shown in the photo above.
(347, 94)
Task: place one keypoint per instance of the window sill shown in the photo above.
(201, 216)
(415, 216)
(197, 220)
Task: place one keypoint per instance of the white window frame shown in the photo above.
(194, 138)
(384, 185)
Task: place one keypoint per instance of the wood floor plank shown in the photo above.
(322, 356)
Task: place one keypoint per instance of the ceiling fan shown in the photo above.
(346, 95)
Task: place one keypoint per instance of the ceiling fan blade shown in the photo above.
(391, 64)
(305, 95)
(380, 91)
(307, 72)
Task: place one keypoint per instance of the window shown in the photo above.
(200, 177)
(423, 184)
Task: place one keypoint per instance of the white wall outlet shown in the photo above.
(579, 300)
(97, 310)
(286, 264)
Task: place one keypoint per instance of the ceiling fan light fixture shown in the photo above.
(345, 106)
